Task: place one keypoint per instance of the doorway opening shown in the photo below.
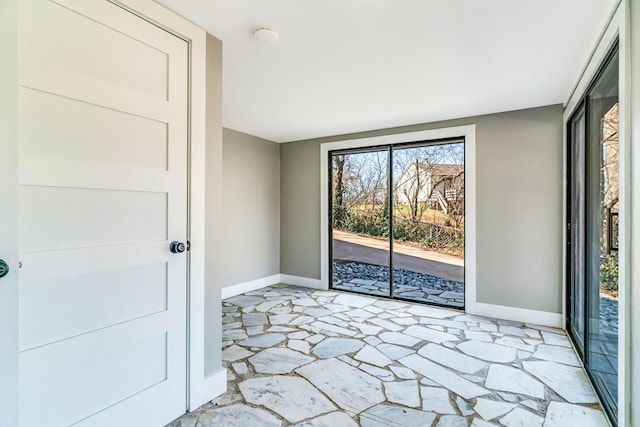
(396, 221)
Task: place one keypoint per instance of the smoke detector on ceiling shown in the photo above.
(265, 34)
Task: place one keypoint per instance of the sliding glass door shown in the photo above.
(593, 232)
(397, 221)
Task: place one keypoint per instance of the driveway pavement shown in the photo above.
(352, 247)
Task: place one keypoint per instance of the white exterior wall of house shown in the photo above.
(408, 185)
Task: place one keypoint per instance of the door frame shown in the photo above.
(615, 30)
(468, 133)
(200, 386)
(390, 150)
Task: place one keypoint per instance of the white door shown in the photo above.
(102, 192)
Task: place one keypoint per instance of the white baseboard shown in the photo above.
(305, 282)
(211, 387)
(535, 317)
(240, 288)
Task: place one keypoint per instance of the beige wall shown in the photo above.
(519, 186)
(251, 208)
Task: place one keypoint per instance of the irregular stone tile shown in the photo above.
(255, 330)
(333, 328)
(234, 334)
(237, 416)
(325, 294)
(359, 313)
(301, 320)
(531, 404)
(399, 338)
(440, 322)
(233, 353)
(229, 308)
(299, 345)
(244, 300)
(380, 373)
(477, 422)
(353, 300)
(403, 373)
(405, 321)
(373, 309)
(280, 329)
(464, 407)
(556, 338)
(332, 347)
(452, 359)
(233, 325)
(569, 382)
(430, 334)
(240, 368)
(488, 351)
(315, 339)
(478, 379)
(280, 310)
(512, 330)
(443, 376)
(292, 398)
(372, 356)
(298, 335)
(337, 308)
(510, 379)
(305, 302)
(266, 340)
(348, 387)
(403, 393)
(564, 414)
(347, 359)
(385, 324)
(521, 417)
(523, 354)
(488, 327)
(477, 336)
(391, 305)
(516, 343)
(278, 361)
(490, 409)
(366, 329)
(254, 319)
(452, 421)
(436, 399)
(508, 397)
(436, 313)
(388, 415)
(333, 419)
(374, 341)
(394, 352)
(557, 354)
(317, 312)
(267, 305)
(281, 319)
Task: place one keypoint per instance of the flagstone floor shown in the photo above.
(306, 358)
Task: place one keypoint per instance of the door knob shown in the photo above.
(4, 268)
(177, 247)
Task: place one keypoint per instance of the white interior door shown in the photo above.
(102, 192)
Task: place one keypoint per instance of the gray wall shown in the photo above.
(519, 186)
(251, 208)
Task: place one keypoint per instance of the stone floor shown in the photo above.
(305, 358)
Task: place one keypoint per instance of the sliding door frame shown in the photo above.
(582, 345)
(466, 132)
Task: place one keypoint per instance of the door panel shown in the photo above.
(103, 191)
(593, 178)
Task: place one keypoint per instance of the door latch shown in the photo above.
(4, 268)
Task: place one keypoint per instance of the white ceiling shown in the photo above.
(343, 66)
